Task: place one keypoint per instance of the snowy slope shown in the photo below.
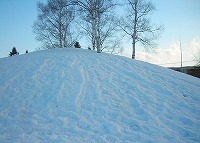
(75, 95)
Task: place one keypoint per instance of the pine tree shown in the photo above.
(14, 52)
(77, 45)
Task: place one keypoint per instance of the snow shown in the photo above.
(74, 95)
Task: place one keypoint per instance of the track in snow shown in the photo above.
(73, 95)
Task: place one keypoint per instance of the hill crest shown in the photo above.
(75, 95)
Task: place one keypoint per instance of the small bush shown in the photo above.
(77, 45)
(14, 52)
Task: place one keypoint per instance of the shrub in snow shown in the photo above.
(14, 52)
(77, 45)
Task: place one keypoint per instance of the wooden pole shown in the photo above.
(181, 56)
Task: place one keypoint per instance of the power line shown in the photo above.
(177, 62)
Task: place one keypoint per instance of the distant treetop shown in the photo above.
(14, 52)
(77, 45)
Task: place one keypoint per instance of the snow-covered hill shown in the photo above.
(79, 96)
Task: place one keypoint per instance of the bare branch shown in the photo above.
(138, 26)
(53, 22)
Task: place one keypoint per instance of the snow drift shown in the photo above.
(75, 95)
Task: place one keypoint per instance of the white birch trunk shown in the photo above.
(134, 36)
(93, 25)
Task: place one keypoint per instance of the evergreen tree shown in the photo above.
(14, 52)
(89, 48)
(77, 45)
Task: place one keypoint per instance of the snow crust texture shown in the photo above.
(79, 96)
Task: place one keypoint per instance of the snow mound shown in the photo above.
(74, 95)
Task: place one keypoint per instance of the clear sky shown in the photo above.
(179, 17)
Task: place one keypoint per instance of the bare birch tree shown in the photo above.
(98, 21)
(137, 24)
(52, 26)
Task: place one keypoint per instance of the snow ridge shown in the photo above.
(75, 95)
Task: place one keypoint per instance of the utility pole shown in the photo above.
(181, 56)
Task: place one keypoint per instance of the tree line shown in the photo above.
(60, 23)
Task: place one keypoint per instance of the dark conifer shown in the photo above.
(77, 45)
(14, 52)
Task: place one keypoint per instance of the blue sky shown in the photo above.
(17, 17)
(179, 17)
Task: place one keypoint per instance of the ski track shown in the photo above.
(83, 86)
(74, 97)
